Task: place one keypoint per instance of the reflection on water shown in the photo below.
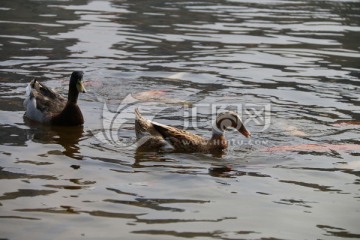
(297, 178)
(67, 137)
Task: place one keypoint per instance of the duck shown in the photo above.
(46, 106)
(151, 135)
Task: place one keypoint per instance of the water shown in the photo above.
(297, 177)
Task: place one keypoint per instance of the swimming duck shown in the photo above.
(46, 106)
(153, 135)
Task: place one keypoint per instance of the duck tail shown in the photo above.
(138, 114)
(33, 82)
(30, 86)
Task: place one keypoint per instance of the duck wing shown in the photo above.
(181, 140)
(48, 102)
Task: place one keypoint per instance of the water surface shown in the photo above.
(296, 178)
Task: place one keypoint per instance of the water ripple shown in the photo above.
(299, 172)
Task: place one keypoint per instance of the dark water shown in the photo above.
(290, 67)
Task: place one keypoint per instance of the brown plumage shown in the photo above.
(152, 135)
(46, 106)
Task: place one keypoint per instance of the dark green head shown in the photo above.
(76, 81)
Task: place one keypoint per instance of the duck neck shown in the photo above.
(216, 131)
(218, 140)
(73, 94)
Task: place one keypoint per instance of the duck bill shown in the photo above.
(80, 87)
(244, 131)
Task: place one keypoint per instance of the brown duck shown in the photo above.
(46, 106)
(152, 135)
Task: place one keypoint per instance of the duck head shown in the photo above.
(76, 80)
(229, 119)
(76, 86)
